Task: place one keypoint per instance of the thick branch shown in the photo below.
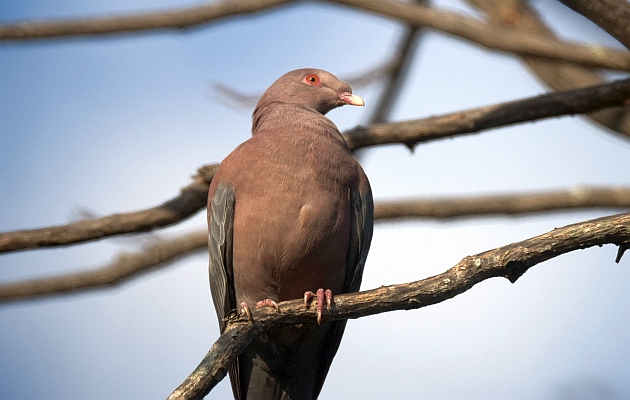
(509, 261)
(192, 198)
(125, 267)
(610, 15)
(557, 75)
(478, 119)
(173, 19)
(495, 36)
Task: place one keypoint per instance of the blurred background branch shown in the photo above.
(557, 75)
(160, 253)
(486, 34)
(164, 251)
(194, 196)
(610, 15)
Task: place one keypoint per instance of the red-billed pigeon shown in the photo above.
(289, 212)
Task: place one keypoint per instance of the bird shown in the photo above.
(290, 215)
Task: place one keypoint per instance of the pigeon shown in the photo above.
(290, 216)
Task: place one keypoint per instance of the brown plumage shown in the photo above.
(289, 211)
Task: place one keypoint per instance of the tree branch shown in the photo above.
(509, 261)
(186, 17)
(126, 266)
(490, 36)
(610, 15)
(166, 251)
(495, 37)
(215, 364)
(402, 59)
(474, 120)
(557, 75)
(194, 197)
(507, 204)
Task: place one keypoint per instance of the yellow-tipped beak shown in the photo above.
(351, 99)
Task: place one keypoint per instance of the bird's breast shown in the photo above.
(292, 216)
(293, 240)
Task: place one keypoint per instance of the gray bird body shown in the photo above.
(290, 210)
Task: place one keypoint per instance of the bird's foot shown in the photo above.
(322, 295)
(245, 309)
(268, 303)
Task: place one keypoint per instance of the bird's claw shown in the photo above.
(263, 303)
(329, 299)
(322, 296)
(308, 295)
(268, 303)
(245, 309)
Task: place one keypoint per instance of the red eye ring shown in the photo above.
(312, 80)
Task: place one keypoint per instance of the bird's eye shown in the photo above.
(312, 79)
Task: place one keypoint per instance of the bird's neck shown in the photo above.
(287, 118)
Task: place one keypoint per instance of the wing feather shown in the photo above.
(220, 229)
(220, 233)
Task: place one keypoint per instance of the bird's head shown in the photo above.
(310, 87)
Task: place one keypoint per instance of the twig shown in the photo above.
(402, 58)
(510, 262)
(236, 99)
(376, 73)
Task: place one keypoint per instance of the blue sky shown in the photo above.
(121, 123)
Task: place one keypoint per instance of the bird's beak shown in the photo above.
(351, 99)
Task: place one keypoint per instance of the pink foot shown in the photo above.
(268, 303)
(321, 295)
